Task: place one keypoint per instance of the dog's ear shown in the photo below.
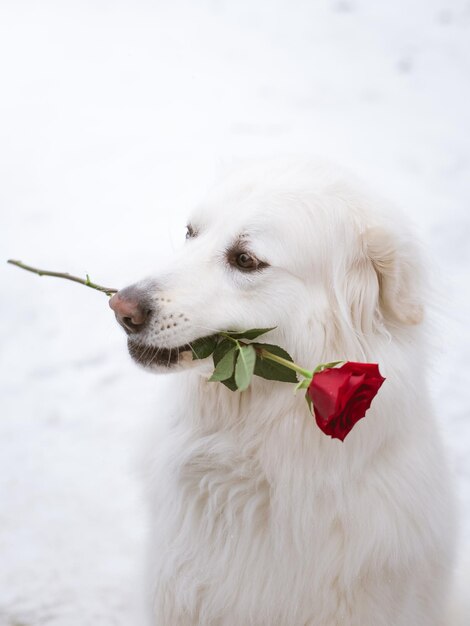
(397, 266)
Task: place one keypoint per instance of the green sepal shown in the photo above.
(304, 384)
(309, 402)
(204, 347)
(225, 367)
(325, 366)
(245, 367)
(270, 369)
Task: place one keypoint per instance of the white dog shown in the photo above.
(257, 517)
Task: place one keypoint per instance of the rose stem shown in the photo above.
(292, 366)
(83, 281)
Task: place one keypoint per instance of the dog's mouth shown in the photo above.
(149, 356)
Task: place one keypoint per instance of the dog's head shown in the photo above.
(286, 246)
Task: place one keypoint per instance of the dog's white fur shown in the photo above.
(258, 518)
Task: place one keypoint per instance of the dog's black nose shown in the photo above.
(131, 307)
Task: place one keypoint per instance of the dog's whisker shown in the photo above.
(154, 356)
(146, 352)
(191, 348)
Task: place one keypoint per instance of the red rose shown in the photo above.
(341, 396)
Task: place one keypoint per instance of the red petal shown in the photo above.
(323, 391)
(341, 396)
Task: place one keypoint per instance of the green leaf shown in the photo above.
(230, 383)
(252, 333)
(225, 366)
(221, 350)
(204, 347)
(271, 370)
(245, 367)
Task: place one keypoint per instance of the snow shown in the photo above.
(114, 118)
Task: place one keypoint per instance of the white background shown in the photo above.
(114, 118)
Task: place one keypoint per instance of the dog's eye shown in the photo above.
(246, 261)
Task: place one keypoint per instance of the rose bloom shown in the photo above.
(341, 396)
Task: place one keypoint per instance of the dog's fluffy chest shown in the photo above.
(233, 528)
(260, 519)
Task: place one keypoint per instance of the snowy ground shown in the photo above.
(114, 118)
